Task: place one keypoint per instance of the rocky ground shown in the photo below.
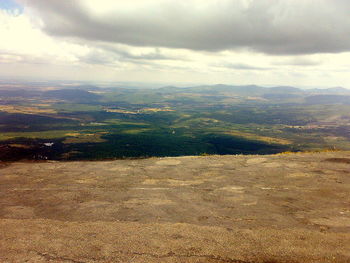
(238, 209)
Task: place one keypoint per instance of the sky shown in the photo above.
(263, 42)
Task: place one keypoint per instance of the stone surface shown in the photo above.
(242, 209)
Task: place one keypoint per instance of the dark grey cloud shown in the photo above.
(146, 56)
(106, 54)
(124, 54)
(280, 27)
(241, 66)
(100, 57)
(298, 61)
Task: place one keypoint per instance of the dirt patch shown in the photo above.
(340, 221)
(183, 183)
(172, 182)
(87, 181)
(94, 204)
(232, 189)
(168, 162)
(153, 201)
(272, 165)
(338, 160)
(151, 181)
(299, 174)
(3, 165)
(214, 165)
(293, 165)
(119, 169)
(256, 160)
(21, 212)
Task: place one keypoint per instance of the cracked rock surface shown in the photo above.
(240, 209)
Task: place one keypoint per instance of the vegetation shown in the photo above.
(78, 124)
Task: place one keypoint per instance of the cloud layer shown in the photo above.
(279, 27)
(267, 42)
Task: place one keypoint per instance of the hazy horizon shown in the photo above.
(146, 85)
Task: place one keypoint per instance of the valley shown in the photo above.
(94, 123)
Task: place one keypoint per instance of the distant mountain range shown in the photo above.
(89, 93)
(273, 94)
(255, 90)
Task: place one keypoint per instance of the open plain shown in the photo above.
(238, 209)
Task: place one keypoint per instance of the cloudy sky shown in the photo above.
(266, 42)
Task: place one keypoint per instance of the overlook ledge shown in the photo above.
(240, 209)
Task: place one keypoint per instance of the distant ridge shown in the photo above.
(255, 89)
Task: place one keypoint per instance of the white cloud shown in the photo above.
(21, 40)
